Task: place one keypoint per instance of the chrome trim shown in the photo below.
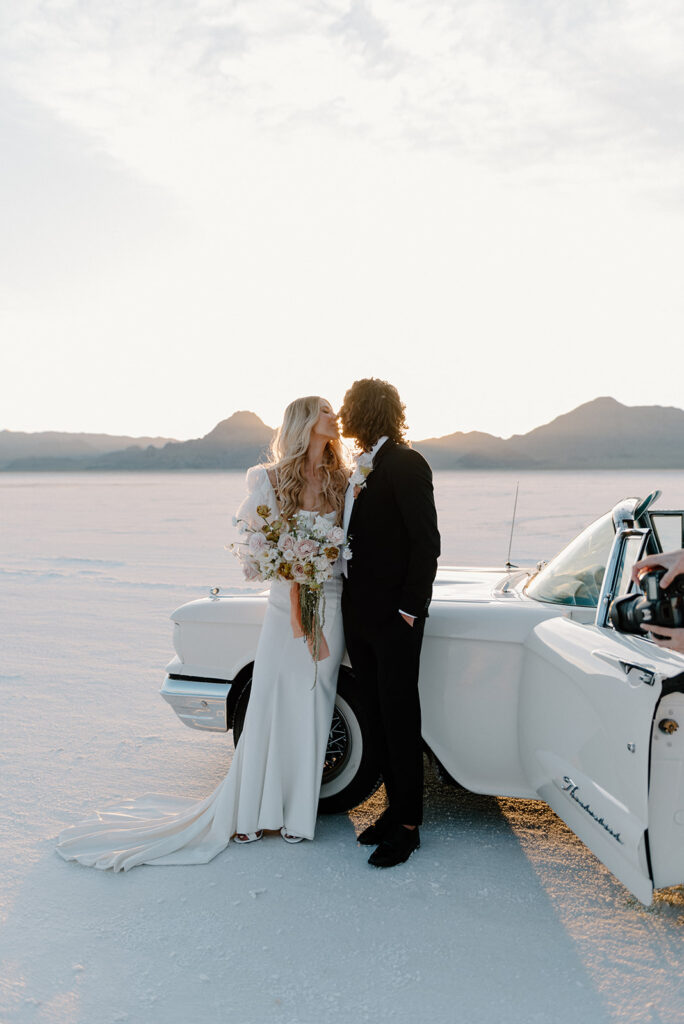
(506, 586)
(182, 677)
(623, 513)
(613, 564)
(571, 788)
(646, 503)
(635, 673)
(200, 705)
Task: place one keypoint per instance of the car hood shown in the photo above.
(477, 584)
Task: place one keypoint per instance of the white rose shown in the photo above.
(321, 527)
(250, 570)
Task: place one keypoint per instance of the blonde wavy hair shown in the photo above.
(288, 459)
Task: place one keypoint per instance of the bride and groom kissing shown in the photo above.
(374, 605)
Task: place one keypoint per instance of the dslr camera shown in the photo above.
(653, 606)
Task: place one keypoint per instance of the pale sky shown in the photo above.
(210, 206)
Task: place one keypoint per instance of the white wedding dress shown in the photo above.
(275, 776)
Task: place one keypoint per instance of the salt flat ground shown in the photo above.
(501, 916)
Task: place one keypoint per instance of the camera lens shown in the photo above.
(654, 606)
(627, 613)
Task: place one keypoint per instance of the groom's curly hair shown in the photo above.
(371, 409)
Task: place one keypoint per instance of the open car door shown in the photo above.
(587, 702)
(595, 742)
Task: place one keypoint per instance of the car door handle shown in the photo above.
(635, 673)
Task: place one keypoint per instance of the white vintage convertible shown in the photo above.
(526, 691)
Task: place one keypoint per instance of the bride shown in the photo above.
(274, 780)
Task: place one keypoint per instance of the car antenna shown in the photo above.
(509, 564)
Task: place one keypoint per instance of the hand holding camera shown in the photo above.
(671, 561)
(659, 609)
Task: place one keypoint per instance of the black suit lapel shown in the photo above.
(377, 459)
(379, 456)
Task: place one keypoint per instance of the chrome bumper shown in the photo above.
(201, 705)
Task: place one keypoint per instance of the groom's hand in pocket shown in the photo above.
(409, 619)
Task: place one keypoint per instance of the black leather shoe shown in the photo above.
(375, 834)
(396, 847)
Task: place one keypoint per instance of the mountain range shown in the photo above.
(601, 434)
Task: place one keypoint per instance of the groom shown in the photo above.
(391, 520)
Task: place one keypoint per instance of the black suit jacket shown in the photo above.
(394, 536)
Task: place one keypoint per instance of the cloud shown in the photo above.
(366, 34)
(387, 185)
(511, 83)
(71, 210)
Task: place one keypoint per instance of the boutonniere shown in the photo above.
(364, 468)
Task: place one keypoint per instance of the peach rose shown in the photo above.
(305, 548)
(257, 543)
(287, 544)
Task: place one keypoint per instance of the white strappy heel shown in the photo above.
(289, 838)
(247, 837)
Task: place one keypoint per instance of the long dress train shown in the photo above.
(275, 776)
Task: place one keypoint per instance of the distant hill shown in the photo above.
(17, 446)
(602, 434)
(234, 443)
(473, 450)
(606, 434)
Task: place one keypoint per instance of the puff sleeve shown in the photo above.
(259, 492)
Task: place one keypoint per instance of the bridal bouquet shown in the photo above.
(302, 551)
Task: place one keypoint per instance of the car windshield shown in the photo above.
(575, 575)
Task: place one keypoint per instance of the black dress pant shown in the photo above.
(385, 657)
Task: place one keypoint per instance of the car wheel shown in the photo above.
(350, 772)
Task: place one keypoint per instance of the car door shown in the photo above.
(587, 701)
(666, 792)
